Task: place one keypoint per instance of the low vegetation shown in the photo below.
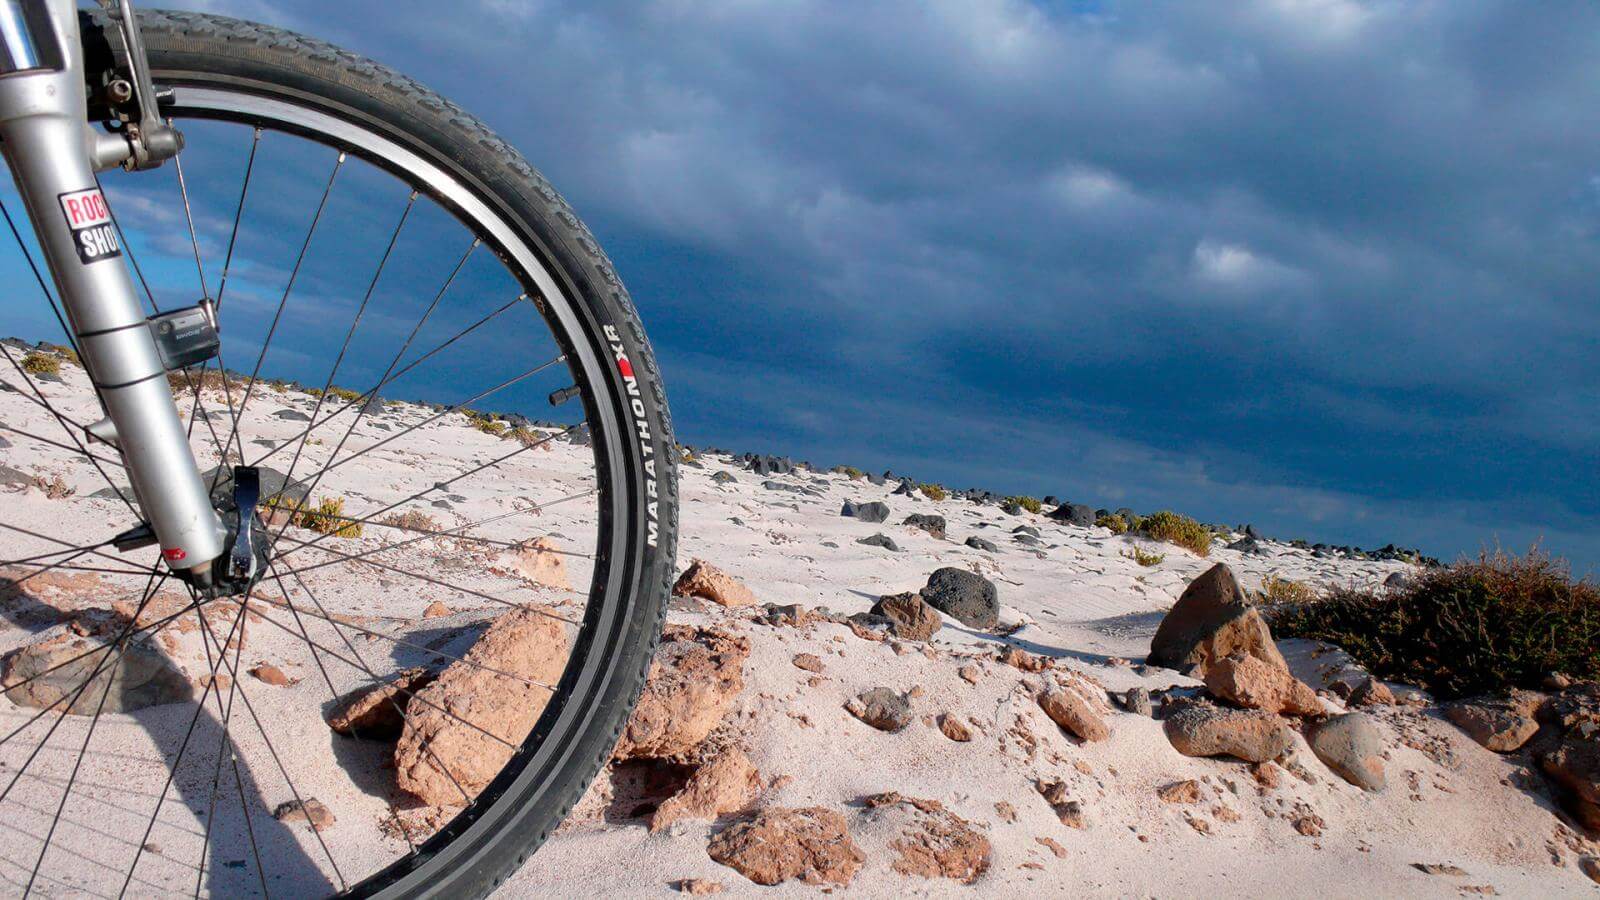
(344, 394)
(1031, 504)
(326, 517)
(1284, 590)
(850, 472)
(1144, 557)
(488, 423)
(411, 520)
(1180, 531)
(933, 491)
(41, 364)
(1474, 627)
(1114, 522)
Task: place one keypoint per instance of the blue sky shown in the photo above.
(1322, 265)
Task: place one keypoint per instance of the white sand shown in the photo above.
(1078, 599)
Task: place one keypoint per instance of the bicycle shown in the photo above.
(221, 549)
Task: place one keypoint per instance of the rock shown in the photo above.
(1440, 869)
(725, 784)
(1351, 746)
(933, 525)
(39, 674)
(866, 512)
(1212, 620)
(1372, 692)
(1574, 764)
(1254, 684)
(1073, 814)
(696, 675)
(1028, 530)
(881, 708)
(378, 712)
(967, 596)
(954, 729)
(933, 842)
(702, 579)
(1018, 658)
(1071, 711)
(435, 610)
(270, 674)
(978, 543)
(1248, 545)
(1180, 792)
(880, 540)
(291, 415)
(1074, 514)
(1247, 734)
(970, 673)
(699, 887)
(1502, 724)
(1137, 701)
(313, 812)
(539, 561)
(807, 661)
(438, 750)
(723, 477)
(812, 844)
(1590, 866)
(910, 617)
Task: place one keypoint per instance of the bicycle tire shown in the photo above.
(474, 854)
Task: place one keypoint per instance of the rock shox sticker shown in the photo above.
(90, 221)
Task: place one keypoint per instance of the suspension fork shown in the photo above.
(53, 155)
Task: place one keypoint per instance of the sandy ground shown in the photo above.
(1077, 599)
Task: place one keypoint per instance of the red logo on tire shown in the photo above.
(174, 554)
(625, 367)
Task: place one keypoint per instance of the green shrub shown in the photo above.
(1113, 522)
(1475, 627)
(1144, 558)
(1031, 504)
(41, 364)
(410, 520)
(850, 472)
(933, 491)
(1282, 590)
(345, 394)
(487, 423)
(1179, 530)
(327, 517)
(67, 354)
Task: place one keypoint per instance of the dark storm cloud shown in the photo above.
(1323, 263)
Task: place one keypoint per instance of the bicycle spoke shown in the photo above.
(440, 485)
(238, 214)
(453, 534)
(119, 645)
(44, 440)
(233, 672)
(67, 425)
(351, 333)
(361, 399)
(224, 745)
(72, 338)
(332, 464)
(283, 301)
(172, 771)
(393, 703)
(412, 695)
(399, 642)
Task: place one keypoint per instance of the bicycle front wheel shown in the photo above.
(471, 509)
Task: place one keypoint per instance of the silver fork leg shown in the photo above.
(42, 132)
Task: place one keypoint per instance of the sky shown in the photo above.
(1324, 266)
